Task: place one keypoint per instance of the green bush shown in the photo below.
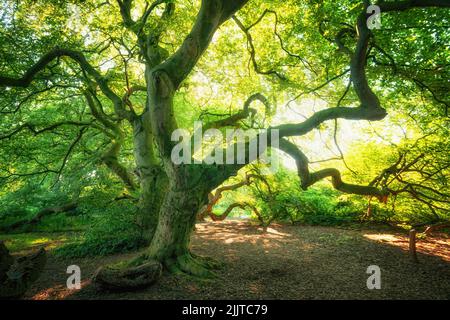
(113, 230)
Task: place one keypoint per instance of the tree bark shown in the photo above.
(412, 245)
(177, 217)
(153, 179)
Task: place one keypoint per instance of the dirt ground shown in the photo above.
(287, 262)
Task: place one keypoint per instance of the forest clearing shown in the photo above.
(286, 262)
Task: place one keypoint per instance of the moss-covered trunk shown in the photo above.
(176, 222)
(177, 216)
(153, 179)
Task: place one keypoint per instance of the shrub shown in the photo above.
(113, 230)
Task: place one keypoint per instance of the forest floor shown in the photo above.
(286, 262)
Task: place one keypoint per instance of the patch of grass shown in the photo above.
(88, 247)
(26, 241)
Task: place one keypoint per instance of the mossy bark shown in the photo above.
(153, 179)
(171, 242)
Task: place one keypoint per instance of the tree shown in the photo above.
(172, 194)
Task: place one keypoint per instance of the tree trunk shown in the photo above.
(176, 222)
(153, 180)
(412, 245)
(177, 217)
(169, 247)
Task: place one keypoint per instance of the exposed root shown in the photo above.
(172, 267)
(192, 265)
(124, 278)
(144, 271)
(209, 262)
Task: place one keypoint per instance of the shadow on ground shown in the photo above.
(287, 262)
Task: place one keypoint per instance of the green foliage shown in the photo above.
(113, 229)
(319, 205)
(25, 202)
(25, 241)
(279, 197)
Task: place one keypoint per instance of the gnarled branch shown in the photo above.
(308, 179)
(241, 115)
(26, 79)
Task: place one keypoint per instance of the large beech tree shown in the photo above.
(135, 35)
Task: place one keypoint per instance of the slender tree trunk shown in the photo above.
(412, 245)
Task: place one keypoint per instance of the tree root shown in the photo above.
(124, 278)
(16, 276)
(209, 262)
(144, 271)
(190, 264)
